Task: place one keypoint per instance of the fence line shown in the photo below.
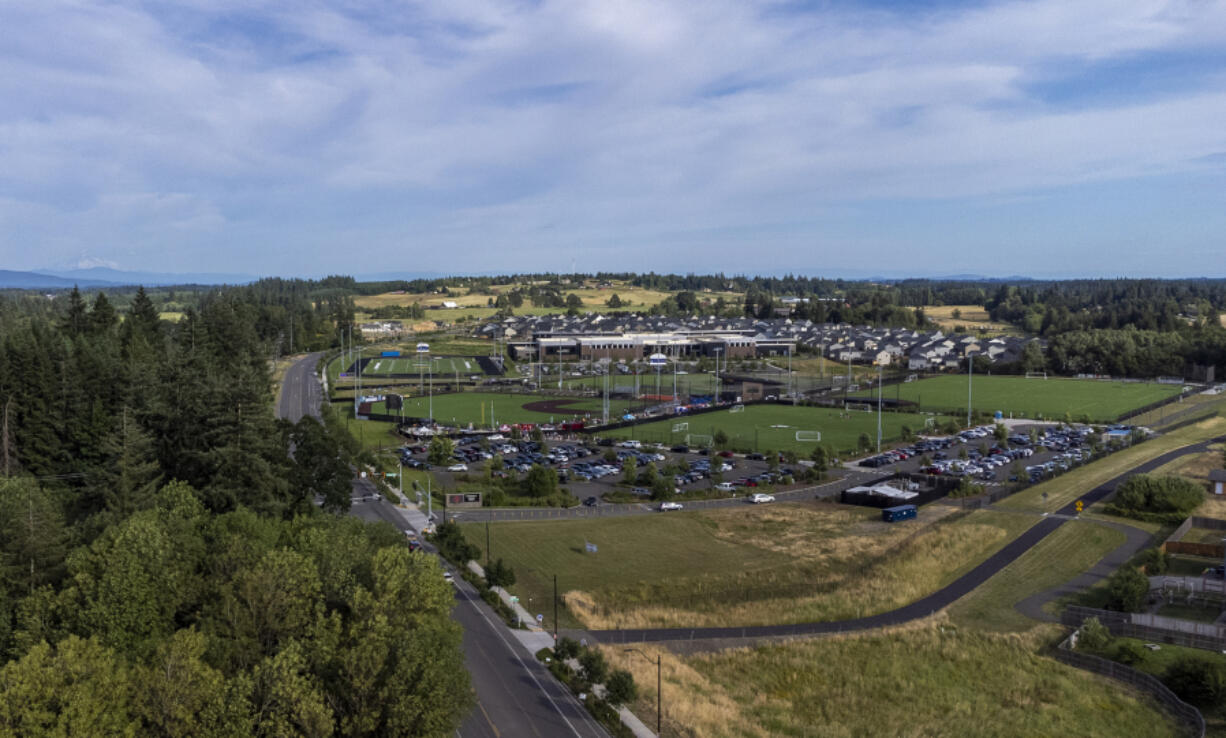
(1185, 713)
(1205, 636)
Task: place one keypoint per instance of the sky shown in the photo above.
(1050, 138)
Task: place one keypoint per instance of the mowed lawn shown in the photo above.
(774, 427)
(1020, 397)
(794, 562)
(482, 408)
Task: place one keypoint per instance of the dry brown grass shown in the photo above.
(474, 304)
(868, 568)
(973, 318)
(928, 679)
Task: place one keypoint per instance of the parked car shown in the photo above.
(591, 502)
(725, 486)
(758, 498)
(458, 468)
(666, 506)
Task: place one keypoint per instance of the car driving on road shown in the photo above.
(666, 506)
(457, 468)
(758, 498)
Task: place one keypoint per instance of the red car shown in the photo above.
(726, 454)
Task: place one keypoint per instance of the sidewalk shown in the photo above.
(534, 638)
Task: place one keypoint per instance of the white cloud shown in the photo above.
(562, 122)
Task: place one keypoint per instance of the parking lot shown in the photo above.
(976, 453)
(591, 470)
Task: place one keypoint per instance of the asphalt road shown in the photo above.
(921, 608)
(516, 696)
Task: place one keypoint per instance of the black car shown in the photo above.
(591, 502)
(755, 457)
(680, 448)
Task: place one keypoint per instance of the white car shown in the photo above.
(725, 486)
(631, 444)
(448, 577)
(666, 506)
(758, 498)
(457, 468)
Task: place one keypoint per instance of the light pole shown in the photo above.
(885, 359)
(970, 376)
(659, 693)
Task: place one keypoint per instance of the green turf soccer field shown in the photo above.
(775, 426)
(1020, 397)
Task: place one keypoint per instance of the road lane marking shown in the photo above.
(491, 722)
(498, 632)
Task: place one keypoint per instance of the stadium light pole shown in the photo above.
(970, 376)
(880, 375)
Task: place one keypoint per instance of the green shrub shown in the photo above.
(1200, 680)
(1127, 589)
(1144, 493)
(1129, 652)
(1154, 560)
(566, 648)
(595, 667)
(620, 688)
(1094, 636)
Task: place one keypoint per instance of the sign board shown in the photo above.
(394, 402)
(464, 499)
(657, 359)
(540, 618)
(423, 348)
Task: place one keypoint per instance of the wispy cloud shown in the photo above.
(477, 135)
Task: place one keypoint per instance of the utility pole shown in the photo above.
(880, 374)
(555, 608)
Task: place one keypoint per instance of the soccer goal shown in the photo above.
(912, 377)
(809, 436)
(930, 422)
(862, 406)
(737, 409)
(1036, 375)
(678, 427)
(697, 440)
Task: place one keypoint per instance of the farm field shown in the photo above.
(784, 563)
(930, 680)
(463, 408)
(971, 318)
(474, 305)
(1020, 397)
(754, 427)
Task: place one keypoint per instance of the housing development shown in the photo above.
(636, 337)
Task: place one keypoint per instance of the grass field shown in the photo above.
(1020, 397)
(760, 564)
(462, 408)
(441, 366)
(930, 680)
(475, 305)
(753, 427)
(1073, 548)
(971, 318)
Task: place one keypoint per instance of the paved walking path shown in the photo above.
(927, 605)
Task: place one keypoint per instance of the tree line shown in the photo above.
(172, 561)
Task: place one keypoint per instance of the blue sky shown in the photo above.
(1047, 138)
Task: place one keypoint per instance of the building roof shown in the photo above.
(1217, 475)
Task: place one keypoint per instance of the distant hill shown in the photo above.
(38, 281)
(104, 275)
